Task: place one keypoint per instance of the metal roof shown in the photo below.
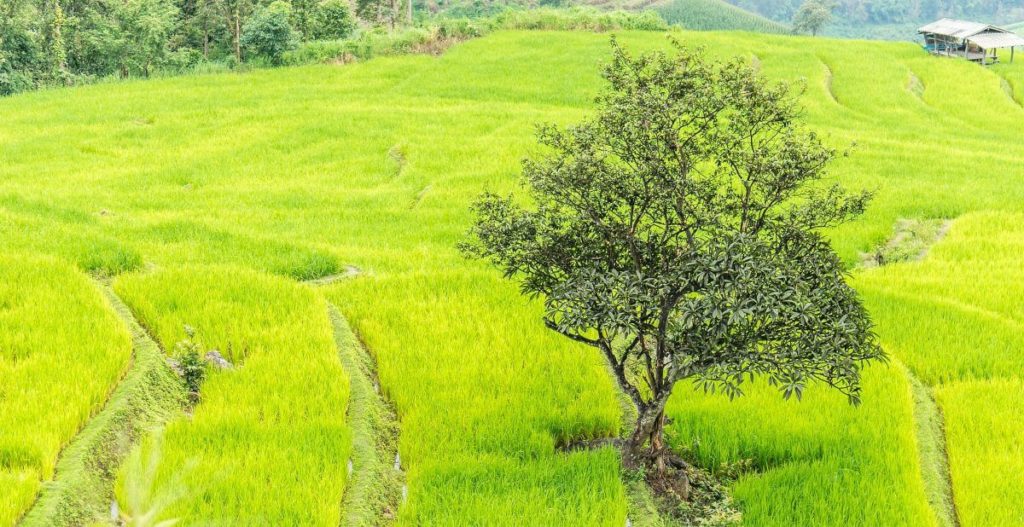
(957, 28)
(995, 40)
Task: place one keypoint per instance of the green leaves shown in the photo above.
(677, 230)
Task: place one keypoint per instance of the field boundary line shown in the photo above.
(375, 487)
(933, 453)
(147, 396)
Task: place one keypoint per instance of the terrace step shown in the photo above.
(376, 481)
(147, 396)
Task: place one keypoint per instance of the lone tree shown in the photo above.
(678, 232)
(813, 16)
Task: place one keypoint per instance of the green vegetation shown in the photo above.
(931, 443)
(146, 397)
(912, 238)
(286, 174)
(710, 15)
(61, 353)
(268, 440)
(957, 320)
(676, 273)
(374, 488)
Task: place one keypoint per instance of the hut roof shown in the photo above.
(957, 28)
(995, 40)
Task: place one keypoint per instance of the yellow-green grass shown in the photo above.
(299, 171)
(958, 321)
(61, 353)
(985, 426)
(267, 444)
(816, 462)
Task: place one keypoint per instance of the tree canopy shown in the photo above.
(54, 42)
(813, 16)
(679, 232)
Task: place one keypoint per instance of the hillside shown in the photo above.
(709, 15)
(214, 200)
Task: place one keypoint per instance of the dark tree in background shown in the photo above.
(678, 233)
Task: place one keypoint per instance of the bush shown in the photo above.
(333, 20)
(269, 34)
(191, 364)
(12, 82)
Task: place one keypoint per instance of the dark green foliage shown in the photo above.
(191, 364)
(269, 34)
(678, 232)
(333, 20)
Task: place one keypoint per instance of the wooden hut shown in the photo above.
(973, 41)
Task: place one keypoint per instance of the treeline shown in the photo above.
(895, 11)
(68, 42)
(64, 42)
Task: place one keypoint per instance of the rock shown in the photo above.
(176, 367)
(218, 361)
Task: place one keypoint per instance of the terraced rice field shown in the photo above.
(213, 197)
(716, 15)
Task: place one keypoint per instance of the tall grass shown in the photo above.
(267, 444)
(61, 352)
(298, 171)
(958, 320)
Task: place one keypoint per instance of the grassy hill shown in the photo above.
(709, 15)
(213, 198)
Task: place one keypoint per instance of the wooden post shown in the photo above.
(1012, 49)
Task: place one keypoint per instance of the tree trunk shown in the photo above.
(647, 447)
(238, 35)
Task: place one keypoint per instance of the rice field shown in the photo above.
(211, 197)
(268, 442)
(61, 352)
(716, 15)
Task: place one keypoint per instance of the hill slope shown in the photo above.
(708, 15)
(216, 182)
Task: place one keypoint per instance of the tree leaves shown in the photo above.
(677, 230)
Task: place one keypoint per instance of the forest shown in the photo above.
(66, 42)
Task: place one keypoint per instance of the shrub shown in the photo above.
(270, 34)
(334, 20)
(191, 365)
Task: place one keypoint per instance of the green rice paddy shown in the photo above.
(212, 197)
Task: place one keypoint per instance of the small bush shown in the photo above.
(191, 364)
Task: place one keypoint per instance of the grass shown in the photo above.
(931, 443)
(374, 491)
(268, 441)
(147, 396)
(233, 186)
(959, 327)
(716, 15)
(61, 353)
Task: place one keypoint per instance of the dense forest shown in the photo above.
(895, 11)
(63, 42)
